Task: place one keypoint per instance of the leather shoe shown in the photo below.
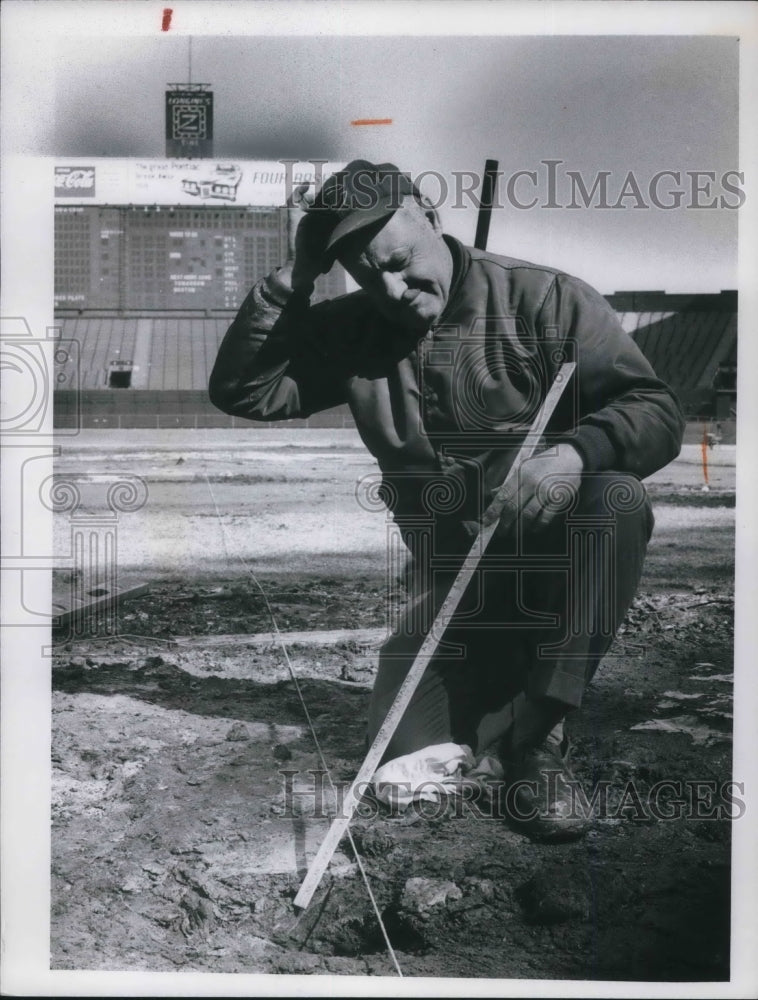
(543, 798)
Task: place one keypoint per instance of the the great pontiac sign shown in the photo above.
(167, 182)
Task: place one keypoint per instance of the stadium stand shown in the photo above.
(151, 369)
(152, 259)
(146, 371)
(691, 342)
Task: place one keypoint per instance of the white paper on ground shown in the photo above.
(429, 773)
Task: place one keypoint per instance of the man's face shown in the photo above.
(406, 268)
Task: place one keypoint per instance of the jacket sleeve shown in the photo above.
(628, 419)
(272, 364)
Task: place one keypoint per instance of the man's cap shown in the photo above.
(357, 196)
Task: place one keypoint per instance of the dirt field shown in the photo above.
(184, 778)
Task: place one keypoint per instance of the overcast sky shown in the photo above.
(618, 104)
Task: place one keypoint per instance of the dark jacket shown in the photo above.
(444, 415)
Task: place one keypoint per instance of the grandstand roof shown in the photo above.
(684, 337)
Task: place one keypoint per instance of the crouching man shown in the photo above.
(444, 355)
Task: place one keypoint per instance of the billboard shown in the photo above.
(74, 182)
(260, 183)
(189, 123)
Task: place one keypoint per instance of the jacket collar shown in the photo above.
(461, 264)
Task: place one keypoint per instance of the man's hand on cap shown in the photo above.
(298, 203)
(307, 235)
(349, 200)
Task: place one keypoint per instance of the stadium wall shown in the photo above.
(105, 409)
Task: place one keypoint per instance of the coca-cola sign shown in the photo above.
(76, 182)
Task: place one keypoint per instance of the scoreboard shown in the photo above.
(142, 257)
(135, 234)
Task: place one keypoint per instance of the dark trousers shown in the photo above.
(535, 621)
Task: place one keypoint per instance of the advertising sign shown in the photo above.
(185, 182)
(75, 182)
(189, 123)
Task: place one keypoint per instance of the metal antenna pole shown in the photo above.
(485, 206)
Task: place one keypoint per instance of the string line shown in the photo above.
(307, 714)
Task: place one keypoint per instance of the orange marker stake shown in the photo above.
(704, 450)
(372, 121)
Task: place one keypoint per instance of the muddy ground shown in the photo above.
(185, 806)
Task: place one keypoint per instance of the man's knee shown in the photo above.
(616, 497)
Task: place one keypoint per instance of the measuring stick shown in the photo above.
(429, 646)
